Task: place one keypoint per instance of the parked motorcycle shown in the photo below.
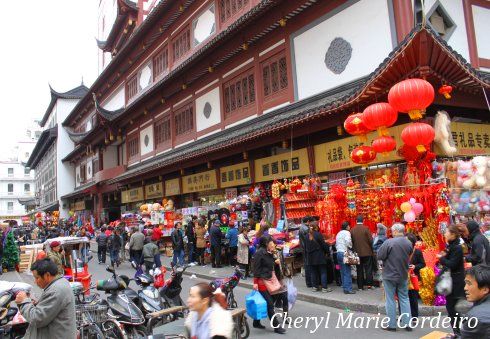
(12, 323)
(227, 285)
(170, 292)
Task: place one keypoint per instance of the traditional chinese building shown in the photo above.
(196, 97)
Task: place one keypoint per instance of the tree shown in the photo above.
(10, 256)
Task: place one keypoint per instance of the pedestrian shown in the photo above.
(208, 317)
(200, 241)
(380, 237)
(479, 246)
(395, 255)
(178, 244)
(114, 245)
(150, 250)
(417, 262)
(56, 254)
(190, 233)
(477, 290)
(262, 232)
(215, 236)
(263, 266)
(343, 242)
(136, 243)
(232, 236)
(101, 241)
(53, 315)
(304, 229)
(452, 259)
(362, 242)
(243, 251)
(317, 251)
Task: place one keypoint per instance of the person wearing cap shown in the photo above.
(56, 255)
(479, 247)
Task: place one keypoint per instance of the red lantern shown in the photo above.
(411, 96)
(418, 134)
(363, 155)
(384, 144)
(354, 125)
(379, 116)
(446, 90)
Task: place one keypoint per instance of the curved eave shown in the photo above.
(43, 143)
(127, 14)
(77, 137)
(75, 93)
(106, 114)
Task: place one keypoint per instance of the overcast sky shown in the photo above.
(48, 41)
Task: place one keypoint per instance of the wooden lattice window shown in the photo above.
(132, 87)
(95, 165)
(274, 75)
(160, 63)
(184, 120)
(230, 8)
(162, 131)
(133, 147)
(182, 44)
(239, 93)
(83, 173)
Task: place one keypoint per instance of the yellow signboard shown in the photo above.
(154, 191)
(172, 187)
(132, 195)
(289, 164)
(199, 182)
(469, 139)
(79, 205)
(236, 175)
(335, 155)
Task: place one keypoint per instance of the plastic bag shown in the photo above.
(292, 293)
(256, 305)
(444, 283)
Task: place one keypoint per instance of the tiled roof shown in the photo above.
(75, 93)
(47, 137)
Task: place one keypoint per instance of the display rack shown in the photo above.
(299, 205)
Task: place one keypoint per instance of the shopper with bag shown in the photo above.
(343, 242)
(316, 250)
(265, 280)
(452, 260)
(417, 262)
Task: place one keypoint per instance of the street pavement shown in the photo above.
(333, 317)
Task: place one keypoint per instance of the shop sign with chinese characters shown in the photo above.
(199, 182)
(236, 175)
(286, 165)
(172, 187)
(132, 195)
(335, 155)
(154, 191)
(469, 139)
(79, 205)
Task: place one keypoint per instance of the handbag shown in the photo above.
(444, 283)
(351, 258)
(413, 281)
(273, 285)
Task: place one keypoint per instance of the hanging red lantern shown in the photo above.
(418, 134)
(446, 91)
(409, 153)
(363, 155)
(379, 116)
(384, 144)
(354, 125)
(411, 96)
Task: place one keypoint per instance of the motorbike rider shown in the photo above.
(56, 255)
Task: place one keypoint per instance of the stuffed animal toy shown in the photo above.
(438, 170)
(443, 137)
(484, 202)
(465, 172)
(478, 178)
(463, 203)
(452, 173)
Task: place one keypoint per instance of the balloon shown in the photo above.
(413, 201)
(409, 216)
(417, 208)
(406, 206)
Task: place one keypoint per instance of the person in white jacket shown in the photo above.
(343, 242)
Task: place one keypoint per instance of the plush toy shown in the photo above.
(465, 172)
(484, 202)
(438, 170)
(478, 178)
(170, 205)
(443, 137)
(452, 172)
(463, 203)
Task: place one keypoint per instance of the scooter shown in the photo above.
(227, 285)
(12, 323)
(121, 305)
(170, 292)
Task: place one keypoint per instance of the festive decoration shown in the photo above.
(406, 207)
(411, 96)
(409, 216)
(354, 125)
(363, 155)
(384, 144)
(443, 136)
(428, 280)
(379, 117)
(418, 134)
(446, 91)
(10, 257)
(276, 190)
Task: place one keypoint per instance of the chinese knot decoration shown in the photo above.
(354, 125)
(363, 155)
(411, 96)
(384, 144)
(446, 91)
(419, 135)
(379, 116)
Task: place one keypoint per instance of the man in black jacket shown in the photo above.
(303, 233)
(477, 290)
(479, 247)
(101, 241)
(191, 238)
(178, 244)
(215, 236)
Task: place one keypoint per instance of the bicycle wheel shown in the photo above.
(244, 328)
(94, 332)
(112, 330)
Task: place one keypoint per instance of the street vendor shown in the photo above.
(56, 255)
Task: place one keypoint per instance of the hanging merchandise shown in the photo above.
(443, 136)
(419, 135)
(384, 144)
(446, 91)
(379, 116)
(354, 125)
(363, 155)
(411, 96)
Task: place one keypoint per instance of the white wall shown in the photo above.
(146, 140)
(212, 99)
(481, 18)
(116, 100)
(365, 25)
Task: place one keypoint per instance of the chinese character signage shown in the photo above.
(335, 155)
(172, 187)
(469, 139)
(154, 191)
(289, 164)
(199, 182)
(79, 205)
(132, 195)
(236, 175)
